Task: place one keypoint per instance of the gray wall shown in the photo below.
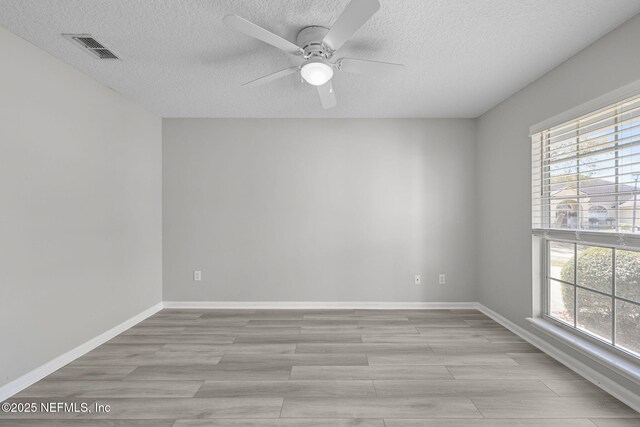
(504, 164)
(318, 210)
(80, 217)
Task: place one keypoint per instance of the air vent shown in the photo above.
(91, 45)
(105, 54)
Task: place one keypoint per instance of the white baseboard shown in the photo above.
(39, 373)
(613, 388)
(292, 305)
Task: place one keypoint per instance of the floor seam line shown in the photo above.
(281, 408)
(477, 409)
(545, 384)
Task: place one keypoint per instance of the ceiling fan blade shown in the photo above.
(327, 96)
(271, 77)
(362, 66)
(354, 16)
(253, 30)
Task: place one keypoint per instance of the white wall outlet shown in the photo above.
(197, 275)
(417, 280)
(442, 279)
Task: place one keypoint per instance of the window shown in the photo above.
(586, 171)
(585, 183)
(599, 218)
(596, 290)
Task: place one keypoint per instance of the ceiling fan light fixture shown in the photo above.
(316, 72)
(317, 45)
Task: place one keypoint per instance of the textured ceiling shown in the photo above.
(180, 60)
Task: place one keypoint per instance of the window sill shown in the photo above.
(617, 363)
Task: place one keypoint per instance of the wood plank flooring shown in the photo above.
(320, 368)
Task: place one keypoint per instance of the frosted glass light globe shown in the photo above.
(316, 72)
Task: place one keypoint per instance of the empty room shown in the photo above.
(337, 213)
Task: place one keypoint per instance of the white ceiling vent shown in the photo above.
(91, 45)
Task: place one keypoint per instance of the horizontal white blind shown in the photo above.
(586, 172)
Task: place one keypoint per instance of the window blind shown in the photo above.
(586, 172)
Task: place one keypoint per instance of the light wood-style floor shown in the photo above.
(329, 368)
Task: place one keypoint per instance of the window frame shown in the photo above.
(545, 297)
(593, 346)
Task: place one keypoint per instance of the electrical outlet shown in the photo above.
(417, 280)
(442, 279)
(197, 276)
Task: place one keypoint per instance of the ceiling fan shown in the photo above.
(317, 46)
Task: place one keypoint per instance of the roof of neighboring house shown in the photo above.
(594, 186)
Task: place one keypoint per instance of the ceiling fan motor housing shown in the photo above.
(310, 40)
